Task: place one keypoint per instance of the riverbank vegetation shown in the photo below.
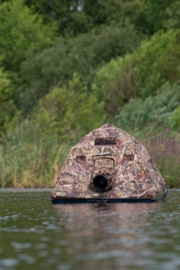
(70, 66)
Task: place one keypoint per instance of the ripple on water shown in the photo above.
(35, 233)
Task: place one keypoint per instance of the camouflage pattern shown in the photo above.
(113, 153)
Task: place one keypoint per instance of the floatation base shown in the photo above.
(70, 201)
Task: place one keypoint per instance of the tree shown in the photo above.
(7, 106)
(20, 31)
(84, 54)
(79, 16)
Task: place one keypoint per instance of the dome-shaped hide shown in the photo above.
(108, 164)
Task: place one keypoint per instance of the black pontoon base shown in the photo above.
(69, 201)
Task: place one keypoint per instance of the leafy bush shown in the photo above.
(76, 16)
(32, 150)
(152, 114)
(84, 55)
(148, 16)
(7, 106)
(21, 30)
(139, 74)
(30, 160)
(68, 112)
(176, 117)
(172, 15)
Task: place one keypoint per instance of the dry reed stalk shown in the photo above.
(166, 154)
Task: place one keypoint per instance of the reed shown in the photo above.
(165, 151)
(29, 160)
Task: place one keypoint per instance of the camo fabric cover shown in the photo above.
(109, 149)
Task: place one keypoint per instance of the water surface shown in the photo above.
(34, 234)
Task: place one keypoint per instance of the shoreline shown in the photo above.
(25, 189)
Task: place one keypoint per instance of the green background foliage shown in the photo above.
(67, 67)
(7, 107)
(20, 31)
(84, 55)
(67, 114)
(139, 74)
(152, 114)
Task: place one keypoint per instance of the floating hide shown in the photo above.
(108, 164)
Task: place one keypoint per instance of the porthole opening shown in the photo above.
(100, 182)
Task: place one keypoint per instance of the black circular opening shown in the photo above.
(100, 182)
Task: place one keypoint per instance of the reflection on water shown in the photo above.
(35, 233)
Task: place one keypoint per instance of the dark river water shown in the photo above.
(34, 234)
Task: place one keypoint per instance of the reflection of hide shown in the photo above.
(102, 215)
(107, 228)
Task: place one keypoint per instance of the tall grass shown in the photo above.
(165, 151)
(29, 160)
(26, 160)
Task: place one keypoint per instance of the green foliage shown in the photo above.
(113, 84)
(29, 160)
(139, 74)
(33, 150)
(75, 17)
(147, 15)
(7, 106)
(68, 112)
(21, 30)
(84, 55)
(67, 14)
(65, 87)
(173, 16)
(164, 150)
(152, 114)
(176, 117)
